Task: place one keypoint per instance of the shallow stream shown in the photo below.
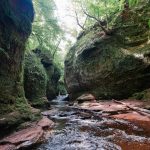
(78, 130)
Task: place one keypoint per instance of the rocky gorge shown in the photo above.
(41, 77)
(106, 75)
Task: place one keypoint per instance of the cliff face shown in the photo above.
(16, 17)
(35, 81)
(115, 66)
(41, 77)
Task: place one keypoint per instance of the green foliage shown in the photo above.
(133, 2)
(45, 31)
(104, 10)
(149, 23)
(100, 9)
(61, 88)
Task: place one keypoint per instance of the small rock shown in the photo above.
(45, 123)
(85, 97)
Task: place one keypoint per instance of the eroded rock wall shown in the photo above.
(35, 81)
(111, 66)
(45, 72)
(16, 17)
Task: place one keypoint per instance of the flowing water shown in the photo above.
(77, 130)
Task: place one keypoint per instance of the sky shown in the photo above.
(65, 13)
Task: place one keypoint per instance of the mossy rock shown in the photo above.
(144, 95)
(52, 71)
(111, 66)
(35, 80)
(52, 90)
(15, 27)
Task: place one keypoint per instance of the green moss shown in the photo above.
(15, 28)
(144, 95)
(52, 71)
(61, 88)
(35, 80)
(6, 108)
(111, 66)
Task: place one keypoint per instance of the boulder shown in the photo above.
(41, 77)
(111, 66)
(24, 137)
(45, 123)
(28, 137)
(85, 97)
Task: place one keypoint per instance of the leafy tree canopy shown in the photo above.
(46, 32)
(101, 10)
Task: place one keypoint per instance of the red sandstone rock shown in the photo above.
(132, 116)
(112, 106)
(86, 97)
(45, 123)
(108, 106)
(27, 137)
(7, 147)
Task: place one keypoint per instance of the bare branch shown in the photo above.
(99, 21)
(85, 21)
(55, 50)
(77, 19)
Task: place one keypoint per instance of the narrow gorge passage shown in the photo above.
(74, 74)
(77, 129)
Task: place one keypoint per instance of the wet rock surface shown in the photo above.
(25, 138)
(93, 126)
(103, 125)
(45, 123)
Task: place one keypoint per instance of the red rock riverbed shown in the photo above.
(103, 125)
